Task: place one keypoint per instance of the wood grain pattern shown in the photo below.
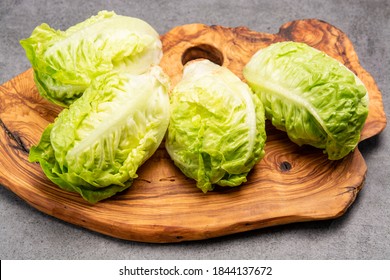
(291, 184)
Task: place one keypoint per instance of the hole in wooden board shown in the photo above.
(202, 51)
(285, 166)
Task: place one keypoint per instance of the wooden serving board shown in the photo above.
(291, 184)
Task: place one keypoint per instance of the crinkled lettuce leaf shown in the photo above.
(216, 132)
(95, 146)
(65, 62)
(310, 95)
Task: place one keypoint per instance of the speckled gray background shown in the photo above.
(362, 233)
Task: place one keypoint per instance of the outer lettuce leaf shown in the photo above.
(65, 62)
(96, 146)
(216, 132)
(311, 96)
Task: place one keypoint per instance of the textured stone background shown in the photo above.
(362, 233)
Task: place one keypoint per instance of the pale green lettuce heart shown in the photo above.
(66, 62)
(310, 95)
(95, 146)
(216, 132)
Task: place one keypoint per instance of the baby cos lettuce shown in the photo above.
(65, 62)
(311, 96)
(216, 132)
(96, 145)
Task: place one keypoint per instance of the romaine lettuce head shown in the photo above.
(65, 62)
(311, 96)
(95, 146)
(216, 132)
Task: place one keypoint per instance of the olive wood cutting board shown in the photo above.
(291, 184)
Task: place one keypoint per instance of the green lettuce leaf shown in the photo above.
(65, 62)
(216, 132)
(310, 95)
(95, 146)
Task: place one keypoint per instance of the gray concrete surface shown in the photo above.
(362, 233)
